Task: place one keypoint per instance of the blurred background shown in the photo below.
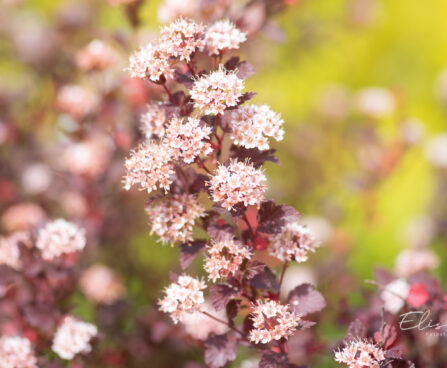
(361, 85)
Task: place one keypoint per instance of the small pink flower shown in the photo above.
(238, 182)
(183, 296)
(225, 257)
(149, 166)
(272, 321)
(16, 352)
(215, 92)
(100, 284)
(252, 125)
(173, 219)
(60, 237)
(73, 337)
(152, 122)
(22, 216)
(360, 354)
(187, 138)
(150, 62)
(222, 36)
(97, 55)
(77, 101)
(182, 38)
(10, 251)
(293, 243)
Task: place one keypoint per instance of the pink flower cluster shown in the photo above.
(16, 352)
(217, 91)
(222, 36)
(73, 337)
(225, 257)
(412, 261)
(150, 62)
(187, 139)
(77, 101)
(60, 237)
(152, 122)
(183, 296)
(272, 321)
(97, 55)
(238, 182)
(251, 126)
(360, 354)
(149, 166)
(293, 243)
(173, 219)
(9, 249)
(102, 285)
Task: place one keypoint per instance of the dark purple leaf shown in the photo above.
(356, 330)
(40, 317)
(394, 353)
(219, 230)
(304, 299)
(7, 275)
(188, 181)
(220, 349)
(247, 96)
(173, 277)
(245, 70)
(253, 268)
(273, 360)
(272, 217)
(150, 201)
(232, 309)
(221, 295)
(232, 63)
(254, 155)
(265, 279)
(388, 336)
(189, 251)
(184, 79)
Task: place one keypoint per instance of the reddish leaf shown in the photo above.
(245, 70)
(265, 279)
(388, 336)
(273, 360)
(304, 299)
(254, 155)
(272, 217)
(261, 243)
(221, 295)
(189, 251)
(356, 330)
(220, 349)
(418, 295)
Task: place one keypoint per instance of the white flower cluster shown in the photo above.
(293, 243)
(16, 352)
(412, 261)
(238, 182)
(360, 354)
(183, 296)
(395, 294)
(251, 126)
(73, 337)
(173, 219)
(225, 257)
(222, 36)
(272, 321)
(60, 237)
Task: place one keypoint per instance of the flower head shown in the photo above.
(183, 296)
(394, 295)
(10, 251)
(96, 55)
(360, 354)
(238, 182)
(293, 243)
(22, 216)
(272, 321)
(187, 139)
(149, 166)
(376, 102)
(77, 101)
(59, 237)
(73, 337)
(100, 284)
(16, 352)
(215, 92)
(252, 125)
(225, 257)
(173, 219)
(152, 122)
(223, 35)
(411, 261)
(182, 38)
(151, 62)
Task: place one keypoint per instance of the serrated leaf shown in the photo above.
(245, 70)
(189, 251)
(304, 299)
(220, 349)
(271, 359)
(255, 156)
(265, 279)
(272, 217)
(356, 330)
(221, 295)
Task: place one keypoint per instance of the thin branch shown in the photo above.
(225, 323)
